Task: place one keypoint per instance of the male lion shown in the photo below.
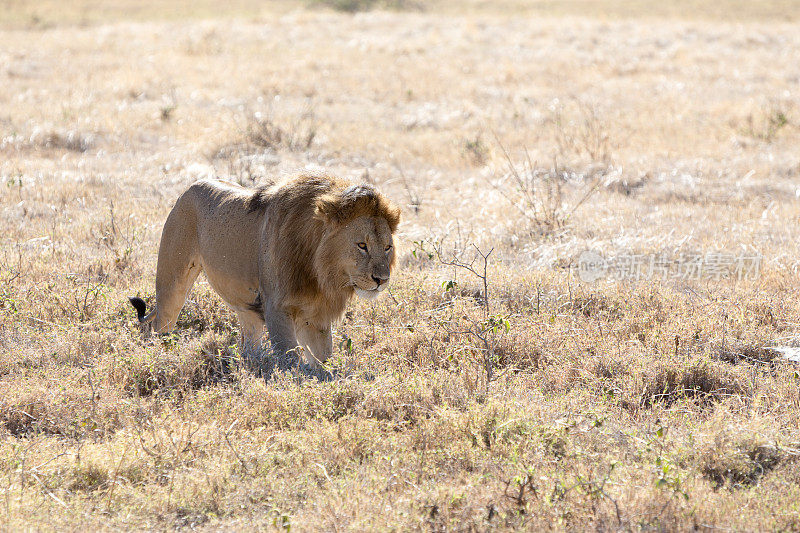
(288, 256)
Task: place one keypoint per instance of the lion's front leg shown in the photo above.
(282, 339)
(290, 339)
(317, 343)
(251, 337)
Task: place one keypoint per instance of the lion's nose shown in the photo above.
(379, 280)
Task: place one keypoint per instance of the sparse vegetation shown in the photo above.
(766, 123)
(263, 131)
(496, 394)
(538, 194)
(353, 6)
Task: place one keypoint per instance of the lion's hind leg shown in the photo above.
(171, 295)
(179, 264)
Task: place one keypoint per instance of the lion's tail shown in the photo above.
(141, 310)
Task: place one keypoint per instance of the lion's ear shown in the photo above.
(392, 216)
(327, 208)
(351, 202)
(355, 201)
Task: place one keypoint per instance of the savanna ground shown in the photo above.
(535, 130)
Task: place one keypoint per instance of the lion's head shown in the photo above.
(359, 244)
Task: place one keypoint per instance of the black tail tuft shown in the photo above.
(140, 306)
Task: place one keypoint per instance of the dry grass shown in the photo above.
(50, 13)
(619, 405)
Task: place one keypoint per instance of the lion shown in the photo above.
(288, 256)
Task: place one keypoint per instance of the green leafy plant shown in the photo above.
(420, 251)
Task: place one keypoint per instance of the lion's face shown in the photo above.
(367, 254)
(357, 252)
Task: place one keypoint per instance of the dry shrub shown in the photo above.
(765, 123)
(97, 469)
(474, 150)
(612, 375)
(30, 348)
(245, 164)
(175, 371)
(265, 130)
(75, 414)
(354, 6)
(401, 404)
(250, 159)
(540, 194)
(30, 416)
(89, 477)
(331, 403)
(600, 306)
(46, 139)
(202, 497)
(625, 184)
(524, 348)
(288, 403)
(341, 446)
(738, 463)
(536, 193)
(741, 352)
(700, 380)
(581, 131)
(73, 141)
(419, 346)
(768, 314)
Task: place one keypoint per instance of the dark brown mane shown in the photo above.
(354, 201)
(259, 199)
(299, 210)
(334, 200)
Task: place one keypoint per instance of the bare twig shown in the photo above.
(412, 193)
(485, 330)
(539, 195)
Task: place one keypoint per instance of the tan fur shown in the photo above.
(286, 255)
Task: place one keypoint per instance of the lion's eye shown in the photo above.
(362, 245)
(387, 248)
